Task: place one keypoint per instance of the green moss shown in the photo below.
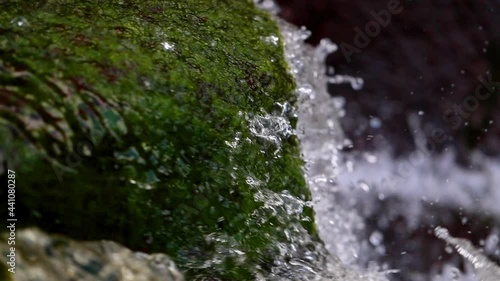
(115, 116)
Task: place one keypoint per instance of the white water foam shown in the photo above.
(330, 175)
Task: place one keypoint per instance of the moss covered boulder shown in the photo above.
(156, 124)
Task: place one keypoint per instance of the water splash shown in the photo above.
(373, 177)
(272, 39)
(486, 270)
(320, 134)
(168, 46)
(270, 128)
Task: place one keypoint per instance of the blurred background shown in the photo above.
(431, 72)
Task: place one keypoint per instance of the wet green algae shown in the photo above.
(115, 116)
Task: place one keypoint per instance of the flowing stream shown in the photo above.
(339, 183)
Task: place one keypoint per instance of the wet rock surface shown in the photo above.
(161, 125)
(40, 256)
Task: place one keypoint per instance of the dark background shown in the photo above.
(427, 59)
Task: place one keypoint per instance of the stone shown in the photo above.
(40, 256)
(129, 121)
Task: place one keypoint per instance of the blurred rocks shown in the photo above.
(44, 257)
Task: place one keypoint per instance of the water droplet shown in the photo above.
(356, 82)
(326, 47)
(363, 185)
(304, 33)
(168, 46)
(491, 243)
(20, 21)
(272, 39)
(370, 158)
(330, 71)
(448, 249)
(341, 113)
(376, 238)
(441, 232)
(350, 166)
(375, 122)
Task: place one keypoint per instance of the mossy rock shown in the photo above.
(119, 119)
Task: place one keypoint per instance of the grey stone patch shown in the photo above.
(40, 256)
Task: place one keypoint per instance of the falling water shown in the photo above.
(330, 175)
(321, 137)
(486, 270)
